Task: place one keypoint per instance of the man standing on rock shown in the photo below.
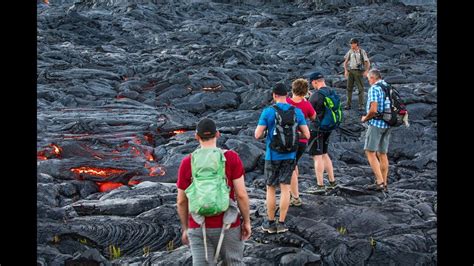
(377, 136)
(279, 166)
(299, 88)
(319, 141)
(232, 171)
(356, 66)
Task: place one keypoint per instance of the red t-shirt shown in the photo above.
(233, 170)
(305, 107)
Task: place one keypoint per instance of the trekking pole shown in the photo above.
(219, 244)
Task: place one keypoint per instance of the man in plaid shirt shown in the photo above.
(377, 136)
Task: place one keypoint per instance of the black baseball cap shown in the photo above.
(315, 76)
(279, 89)
(206, 128)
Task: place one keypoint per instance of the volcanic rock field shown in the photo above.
(121, 85)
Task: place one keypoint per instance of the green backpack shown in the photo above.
(208, 194)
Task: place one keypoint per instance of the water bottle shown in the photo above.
(387, 112)
(387, 105)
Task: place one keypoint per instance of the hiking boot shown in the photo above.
(281, 227)
(376, 187)
(348, 107)
(295, 201)
(269, 226)
(317, 190)
(361, 108)
(332, 185)
(385, 188)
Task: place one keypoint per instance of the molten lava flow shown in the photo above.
(56, 149)
(133, 182)
(157, 171)
(179, 131)
(108, 186)
(149, 156)
(45, 154)
(96, 171)
(41, 156)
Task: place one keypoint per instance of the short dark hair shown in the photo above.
(299, 87)
(279, 89)
(354, 40)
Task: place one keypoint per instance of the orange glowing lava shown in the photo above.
(133, 182)
(149, 156)
(56, 149)
(96, 171)
(49, 153)
(179, 131)
(108, 186)
(157, 171)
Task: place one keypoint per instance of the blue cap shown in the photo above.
(315, 76)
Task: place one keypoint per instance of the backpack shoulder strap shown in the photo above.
(323, 93)
(385, 88)
(279, 110)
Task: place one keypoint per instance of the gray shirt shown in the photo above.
(355, 60)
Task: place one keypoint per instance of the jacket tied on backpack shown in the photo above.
(208, 194)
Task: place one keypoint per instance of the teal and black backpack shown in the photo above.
(333, 115)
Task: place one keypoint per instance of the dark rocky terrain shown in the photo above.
(122, 83)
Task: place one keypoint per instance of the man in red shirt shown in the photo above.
(232, 245)
(299, 88)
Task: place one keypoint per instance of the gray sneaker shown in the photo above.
(281, 227)
(332, 185)
(295, 201)
(317, 190)
(269, 226)
(375, 187)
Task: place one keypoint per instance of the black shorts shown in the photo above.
(318, 143)
(300, 151)
(279, 172)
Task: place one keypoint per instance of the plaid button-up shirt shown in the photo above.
(376, 94)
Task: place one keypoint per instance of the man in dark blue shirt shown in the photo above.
(319, 141)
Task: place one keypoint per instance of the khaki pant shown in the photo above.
(355, 76)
